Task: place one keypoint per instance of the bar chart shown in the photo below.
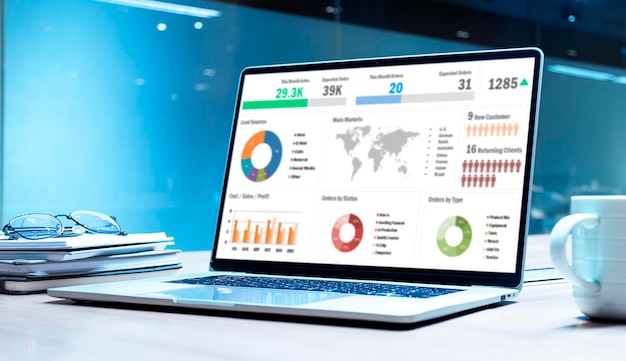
(265, 228)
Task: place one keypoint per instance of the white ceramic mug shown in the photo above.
(598, 272)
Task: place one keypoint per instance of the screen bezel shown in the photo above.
(419, 275)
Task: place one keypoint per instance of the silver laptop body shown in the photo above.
(390, 189)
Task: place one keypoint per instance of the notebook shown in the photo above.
(391, 190)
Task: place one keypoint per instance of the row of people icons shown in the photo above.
(496, 166)
(478, 181)
(491, 130)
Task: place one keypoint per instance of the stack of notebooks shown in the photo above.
(32, 266)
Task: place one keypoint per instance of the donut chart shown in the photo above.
(263, 174)
(442, 243)
(358, 232)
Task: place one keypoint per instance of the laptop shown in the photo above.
(391, 190)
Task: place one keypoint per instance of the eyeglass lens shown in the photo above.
(36, 226)
(96, 222)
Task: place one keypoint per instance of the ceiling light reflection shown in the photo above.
(586, 73)
(166, 7)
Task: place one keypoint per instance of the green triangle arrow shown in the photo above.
(523, 83)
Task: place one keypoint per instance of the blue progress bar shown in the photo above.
(379, 99)
(415, 98)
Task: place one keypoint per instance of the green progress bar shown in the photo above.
(272, 104)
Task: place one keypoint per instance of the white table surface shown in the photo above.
(543, 323)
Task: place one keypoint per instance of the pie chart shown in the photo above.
(456, 249)
(261, 174)
(350, 244)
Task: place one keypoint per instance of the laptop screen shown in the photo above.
(415, 164)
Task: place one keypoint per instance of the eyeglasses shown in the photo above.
(39, 225)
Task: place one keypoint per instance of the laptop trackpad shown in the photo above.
(238, 295)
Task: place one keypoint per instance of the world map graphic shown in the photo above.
(383, 147)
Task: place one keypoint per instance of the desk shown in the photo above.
(543, 323)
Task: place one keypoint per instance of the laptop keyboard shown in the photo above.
(356, 288)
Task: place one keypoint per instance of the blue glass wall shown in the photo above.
(127, 110)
